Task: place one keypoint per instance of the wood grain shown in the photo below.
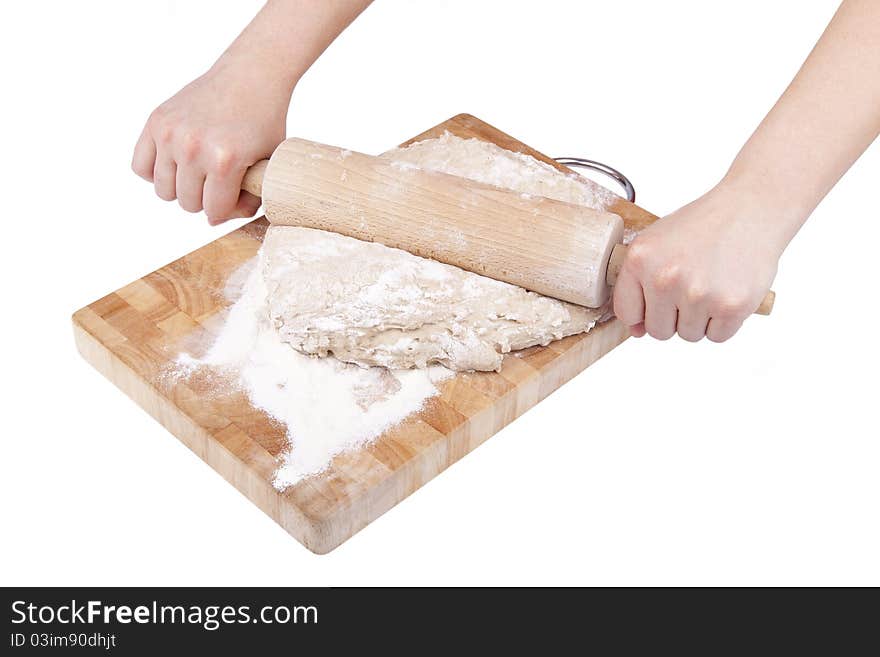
(134, 334)
(553, 248)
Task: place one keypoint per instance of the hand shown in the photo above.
(700, 271)
(197, 145)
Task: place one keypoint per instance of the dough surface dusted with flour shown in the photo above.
(369, 304)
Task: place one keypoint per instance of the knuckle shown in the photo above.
(160, 126)
(637, 255)
(165, 133)
(696, 294)
(666, 278)
(731, 306)
(224, 160)
(190, 146)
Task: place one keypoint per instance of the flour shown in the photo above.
(492, 165)
(327, 406)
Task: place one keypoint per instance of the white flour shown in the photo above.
(327, 406)
(492, 165)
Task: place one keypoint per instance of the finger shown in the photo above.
(692, 324)
(720, 329)
(637, 330)
(144, 158)
(661, 316)
(164, 178)
(248, 204)
(629, 299)
(190, 184)
(221, 195)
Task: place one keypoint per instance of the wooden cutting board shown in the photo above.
(133, 335)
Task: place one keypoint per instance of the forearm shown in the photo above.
(287, 36)
(822, 123)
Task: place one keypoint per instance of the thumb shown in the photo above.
(629, 301)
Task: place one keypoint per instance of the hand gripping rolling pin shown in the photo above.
(558, 249)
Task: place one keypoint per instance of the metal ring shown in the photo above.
(604, 169)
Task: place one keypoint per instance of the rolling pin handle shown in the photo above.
(615, 262)
(767, 302)
(618, 254)
(253, 178)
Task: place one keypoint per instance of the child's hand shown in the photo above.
(700, 271)
(197, 145)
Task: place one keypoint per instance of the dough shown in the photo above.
(369, 304)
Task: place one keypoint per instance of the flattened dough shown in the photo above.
(369, 304)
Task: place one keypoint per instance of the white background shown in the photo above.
(752, 462)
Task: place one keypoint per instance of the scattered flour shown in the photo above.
(327, 406)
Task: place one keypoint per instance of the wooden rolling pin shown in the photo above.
(558, 249)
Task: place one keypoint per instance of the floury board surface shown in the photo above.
(133, 335)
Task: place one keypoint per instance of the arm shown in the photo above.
(703, 269)
(197, 145)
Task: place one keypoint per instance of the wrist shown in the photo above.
(253, 69)
(772, 212)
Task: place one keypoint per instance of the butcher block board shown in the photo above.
(133, 335)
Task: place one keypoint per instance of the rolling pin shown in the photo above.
(558, 249)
